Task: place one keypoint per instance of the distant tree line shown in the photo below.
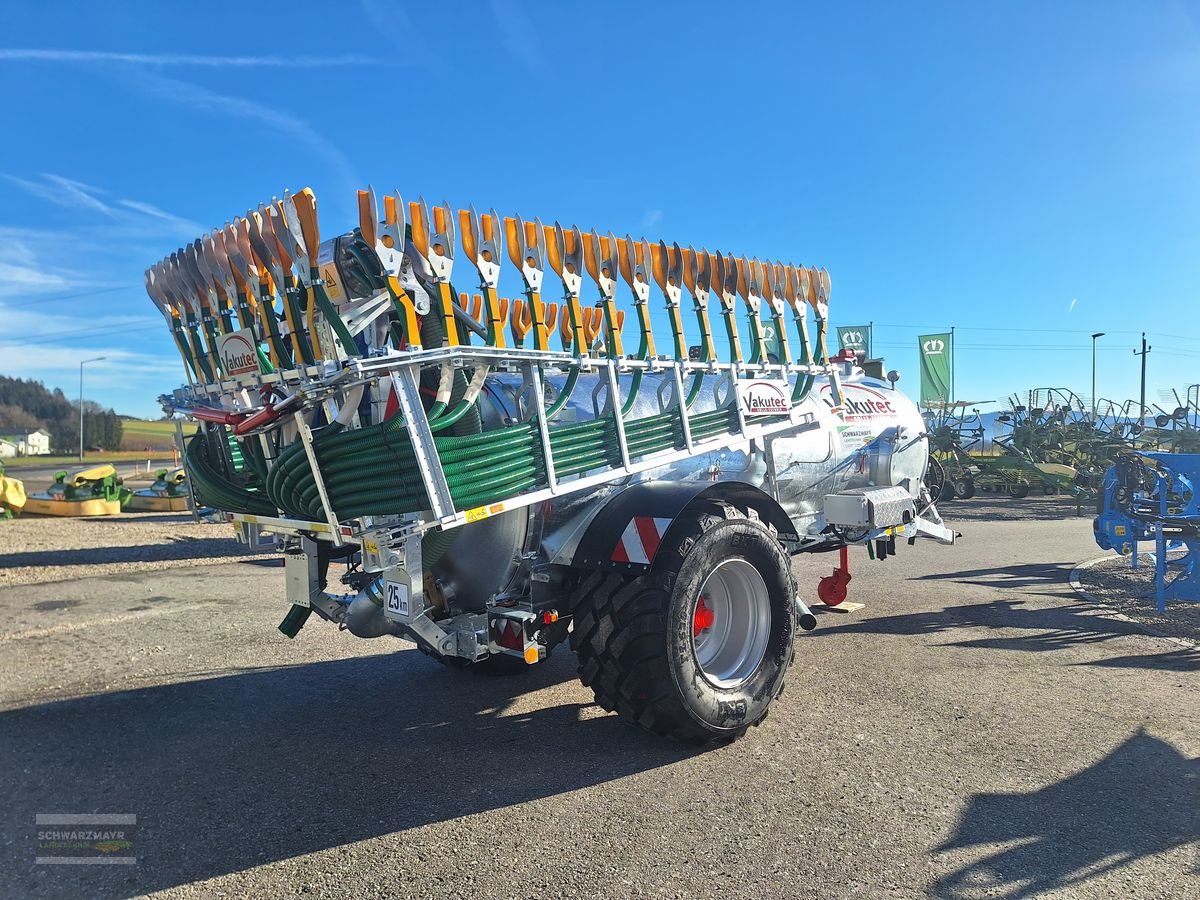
(27, 405)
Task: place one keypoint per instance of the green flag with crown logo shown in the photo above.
(856, 338)
(937, 357)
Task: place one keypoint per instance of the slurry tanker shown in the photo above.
(490, 474)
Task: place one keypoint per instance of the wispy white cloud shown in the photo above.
(392, 21)
(25, 269)
(149, 209)
(16, 279)
(75, 195)
(127, 380)
(184, 59)
(1074, 300)
(202, 99)
(652, 219)
(520, 34)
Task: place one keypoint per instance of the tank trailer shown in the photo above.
(493, 474)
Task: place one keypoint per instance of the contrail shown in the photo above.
(183, 59)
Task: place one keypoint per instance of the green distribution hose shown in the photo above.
(480, 468)
(212, 486)
(372, 471)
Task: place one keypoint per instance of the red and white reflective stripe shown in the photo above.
(640, 539)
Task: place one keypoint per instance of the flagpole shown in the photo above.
(871, 338)
(953, 350)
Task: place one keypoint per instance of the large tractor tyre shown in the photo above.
(697, 647)
(1049, 489)
(1019, 490)
(964, 488)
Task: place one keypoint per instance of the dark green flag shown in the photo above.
(937, 357)
(856, 338)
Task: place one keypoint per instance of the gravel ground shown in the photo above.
(34, 550)
(972, 732)
(993, 507)
(1114, 582)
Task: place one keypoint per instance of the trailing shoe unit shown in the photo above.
(491, 473)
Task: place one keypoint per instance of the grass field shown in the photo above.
(139, 434)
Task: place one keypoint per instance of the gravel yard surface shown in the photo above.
(1131, 593)
(34, 549)
(993, 508)
(972, 732)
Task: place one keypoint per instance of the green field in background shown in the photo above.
(138, 434)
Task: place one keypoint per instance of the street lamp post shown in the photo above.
(1098, 334)
(81, 365)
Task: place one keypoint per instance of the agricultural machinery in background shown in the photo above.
(95, 491)
(1052, 442)
(1010, 465)
(1154, 497)
(168, 493)
(100, 491)
(12, 495)
(495, 475)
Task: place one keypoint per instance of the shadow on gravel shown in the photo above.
(1031, 575)
(1053, 628)
(174, 549)
(1174, 661)
(239, 770)
(1139, 800)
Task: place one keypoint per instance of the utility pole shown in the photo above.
(1098, 334)
(1145, 351)
(81, 365)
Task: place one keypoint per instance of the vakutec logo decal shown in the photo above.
(934, 347)
(859, 402)
(237, 354)
(763, 398)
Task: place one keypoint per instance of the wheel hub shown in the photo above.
(731, 624)
(703, 619)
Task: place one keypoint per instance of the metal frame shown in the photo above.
(315, 385)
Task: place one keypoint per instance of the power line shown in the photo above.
(1079, 331)
(72, 337)
(97, 293)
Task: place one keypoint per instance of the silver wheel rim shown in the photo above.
(734, 608)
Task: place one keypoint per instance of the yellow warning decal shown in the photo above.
(482, 512)
(370, 546)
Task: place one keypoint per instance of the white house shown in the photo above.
(7, 448)
(29, 443)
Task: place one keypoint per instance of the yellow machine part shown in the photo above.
(146, 502)
(44, 505)
(81, 478)
(12, 493)
(1059, 469)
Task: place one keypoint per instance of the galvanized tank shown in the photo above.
(877, 439)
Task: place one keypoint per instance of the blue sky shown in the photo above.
(1026, 173)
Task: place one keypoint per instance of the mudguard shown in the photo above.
(628, 530)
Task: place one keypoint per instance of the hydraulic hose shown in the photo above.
(213, 487)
